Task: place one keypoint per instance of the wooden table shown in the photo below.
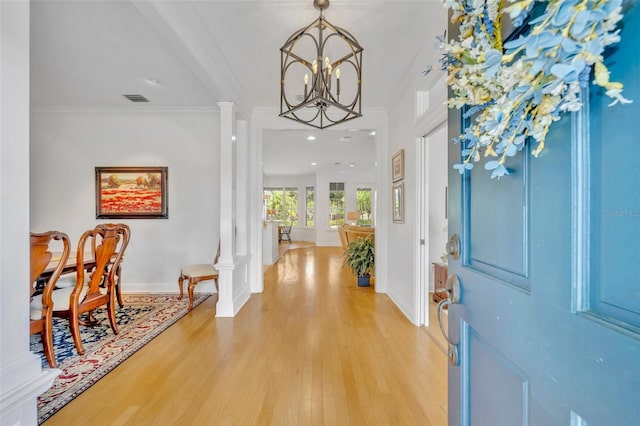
(71, 266)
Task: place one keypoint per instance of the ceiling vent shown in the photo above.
(136, 98)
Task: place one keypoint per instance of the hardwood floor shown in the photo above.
(312, 349)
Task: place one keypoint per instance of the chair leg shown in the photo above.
(74, 324)
(112, 314)
(180, 282)
(118, 293)
(47, 341)
(192, 285)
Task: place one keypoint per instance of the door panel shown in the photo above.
(614, 210)
(495, 368)
(548, 327)
(497, 247)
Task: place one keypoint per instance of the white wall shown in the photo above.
(402, 236)
(66, 146)
(325, 235)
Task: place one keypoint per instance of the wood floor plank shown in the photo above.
(312, 349)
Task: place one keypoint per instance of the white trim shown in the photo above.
(14, 400)
(426, 123)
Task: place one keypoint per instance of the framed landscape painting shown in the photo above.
(397, 166)
(131, 193)
(397, 198)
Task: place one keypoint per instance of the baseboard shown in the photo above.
(402, 309)
(23, 380)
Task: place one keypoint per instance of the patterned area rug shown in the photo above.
(142, 318)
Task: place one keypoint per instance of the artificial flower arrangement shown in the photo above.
(518, 90)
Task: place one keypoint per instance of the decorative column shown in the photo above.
(21, 377)
(226, 262)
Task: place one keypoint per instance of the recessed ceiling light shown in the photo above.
(345, 138)
(153, 81)
(372, 133)
(352, 164)
(311, 138)
(233, 137)
(314, 164)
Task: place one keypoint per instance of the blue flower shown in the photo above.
(564, 13)
(492, 62)
(463, 166)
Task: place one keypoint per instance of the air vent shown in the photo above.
(136, 98)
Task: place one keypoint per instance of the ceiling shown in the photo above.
(88, 54)
(290, 152)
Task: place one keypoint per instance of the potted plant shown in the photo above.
(360, 258)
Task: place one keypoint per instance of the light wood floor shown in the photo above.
(312, 349)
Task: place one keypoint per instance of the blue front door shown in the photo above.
(548, 326)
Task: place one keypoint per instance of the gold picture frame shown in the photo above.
(397, 202)
(131, 193)
(397, 166)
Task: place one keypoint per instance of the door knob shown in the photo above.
(452, 288)
(453, 246)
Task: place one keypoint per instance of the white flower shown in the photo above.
(616, 95)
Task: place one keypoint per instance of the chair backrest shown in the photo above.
(353, 232)
(41, 259)
(104, 240)
(125, 233)
(342, 232)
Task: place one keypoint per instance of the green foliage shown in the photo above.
(113, 182)
(360, 256)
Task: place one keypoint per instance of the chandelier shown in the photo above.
(315, 89)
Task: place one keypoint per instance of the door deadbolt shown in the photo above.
(453, 246)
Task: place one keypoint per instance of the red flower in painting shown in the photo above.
(131, 200)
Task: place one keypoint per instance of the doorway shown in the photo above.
(433, 225)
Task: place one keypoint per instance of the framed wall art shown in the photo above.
(397, 166)
(131, 193)
(397, 198)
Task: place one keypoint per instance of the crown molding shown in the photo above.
(127, 110)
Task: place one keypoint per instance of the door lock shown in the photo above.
(453, 246)
(452, 289)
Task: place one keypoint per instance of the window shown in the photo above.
(336, 203)
(291, 206)
(282, 204)
(310, 206)
(363, 205)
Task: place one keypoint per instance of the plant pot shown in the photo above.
(364, 281)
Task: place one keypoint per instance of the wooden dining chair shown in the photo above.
(193, 274)
(285, 233)
(41, 305)
(116, 269)
(98, 289)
